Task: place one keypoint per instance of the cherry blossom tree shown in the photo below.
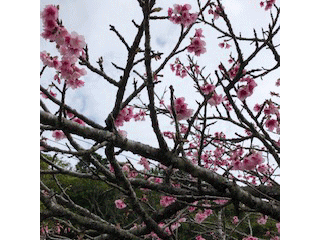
(214, 165)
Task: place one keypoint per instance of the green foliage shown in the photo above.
(99, 197)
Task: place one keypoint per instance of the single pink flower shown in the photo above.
(80, 121)
(77, 41)
(271, 124)
(250, 238)
(198, 33)
(221, 45)
(262, 220)
(158, 180)
(199, 237)
(120, 204)
(143, 161)
(235, 220)
(215, 100)
(207, 88)
(257, 107)
(262, 168)
(243, 93)
(50, 12)
(58, 135)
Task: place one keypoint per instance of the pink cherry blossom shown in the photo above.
(167, 200)
(278, 226)
(200, 217)
(58, 135)
(181, 15)
(198, 33)
(132, 174)
(251, 161)
(70, 46)
(234, 71)
(235, 220)
(120, 204)
(77, 41)
(50, 12)
(262, 168)
(243, 93)
(250, 238)
(262, 220)
(221, 201)
(271, 124)
(143, 161)
(124, 116)
(168, 134)
(181, 109)
(269, 4)
(217, 12)
(257, 107)
(215, 100)
(199, 237)
(126, 168)
(80, 121)
(158, 180)
(207, 88)
(197, 46)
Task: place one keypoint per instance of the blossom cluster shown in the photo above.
(262, 220)
(272, 123)
(215, 99)
(249, 162)
(69, 45)
(181, 70)
(197, 45)
(246, 90)
(126, 114)
(165, 201)
(145, 163)
(173, 227)
(181, 109)
(180, 15)
(201, 216)
(270, 110)
(216, 13)
(234, 71)
(178, 69)
(269, 4)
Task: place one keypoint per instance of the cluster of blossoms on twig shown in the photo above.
(182, 71)
(69, 45)
(197, 45)
(181, 109)
(268, 4)
(246, 90)
(216, 13)
(180, 15)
